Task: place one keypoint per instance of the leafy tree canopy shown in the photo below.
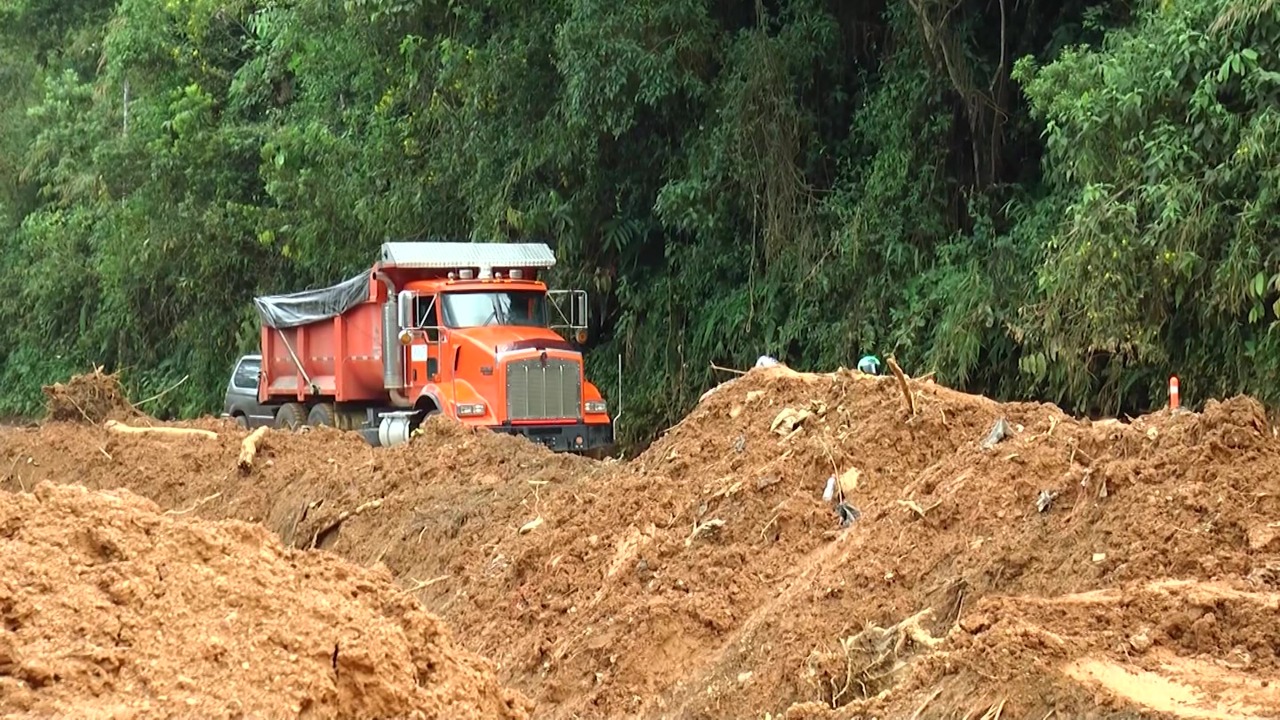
(1061, 200)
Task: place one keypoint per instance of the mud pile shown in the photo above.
(1066, 565)
(112, 608)
(92, 398)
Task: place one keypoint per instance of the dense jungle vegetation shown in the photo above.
(1061, 200)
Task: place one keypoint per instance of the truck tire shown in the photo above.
(322, 414)
(290, 416)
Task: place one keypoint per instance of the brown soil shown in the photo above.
(113, 609)
(707, 578)
(92, 398)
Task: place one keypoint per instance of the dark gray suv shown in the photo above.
(241, 403)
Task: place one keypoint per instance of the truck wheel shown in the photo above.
(241, 421)
(424, 415)
(289, 417)
(321, 414)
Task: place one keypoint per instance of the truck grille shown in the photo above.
(537, 392)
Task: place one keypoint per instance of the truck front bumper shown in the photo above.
(578, 437)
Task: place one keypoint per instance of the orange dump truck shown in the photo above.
(464, 329)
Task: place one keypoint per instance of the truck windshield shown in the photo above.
(504, 307)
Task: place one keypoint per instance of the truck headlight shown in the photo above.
(597, 406)
(470, 409)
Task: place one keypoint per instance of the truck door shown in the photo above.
(424, 354)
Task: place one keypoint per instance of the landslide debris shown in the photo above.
(92, 398)
(709, 578)
(112, 608)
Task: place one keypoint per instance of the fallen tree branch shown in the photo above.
(249, 449)
(728, 370)
(162, 393)
(916, 508)
(422, 584)
(318, 540)
(916, 715)
(119, 427)
(902, 383)
(209, 499)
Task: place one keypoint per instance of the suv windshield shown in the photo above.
(504, 307)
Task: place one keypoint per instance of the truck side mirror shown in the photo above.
(576, 317)
(404, 309)
(579, 319)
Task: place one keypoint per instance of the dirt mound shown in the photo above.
(709, 578)
(112, 609)
(92, 398)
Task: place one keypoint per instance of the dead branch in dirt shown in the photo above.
(1053, 425)
(735, 371)
(10, 474)
(920, 710)
(193, 508)
(162, 393)
(884, 647)
(423, 584)
(249, 449)
(321, 536)
(700, 529)
(902, 383)
(119, 427)
(768, 525)
(994, 712)
(916, 508)
(76, 405)
(1075, 450)
(835, 470)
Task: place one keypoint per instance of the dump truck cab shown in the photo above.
(468, 330)
(487, 351)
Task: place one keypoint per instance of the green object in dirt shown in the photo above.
(869, 364)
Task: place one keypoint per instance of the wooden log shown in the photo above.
(902, 384)
(249, 449)
(119, 427)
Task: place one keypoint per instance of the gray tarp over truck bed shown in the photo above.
(308, 306)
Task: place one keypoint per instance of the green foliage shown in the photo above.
(1161, 144)
(1069, 202)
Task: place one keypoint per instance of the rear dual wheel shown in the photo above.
(294, 415)
(290, 416)
(321, 414)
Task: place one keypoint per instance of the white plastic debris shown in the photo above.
(999, 432)
(830, 492)
(765, 361)
(1045, 500)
